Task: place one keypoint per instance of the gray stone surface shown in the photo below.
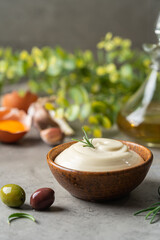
(73, 23)
(70, 218)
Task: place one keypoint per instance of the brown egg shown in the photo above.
(7, 136)
(14, 100)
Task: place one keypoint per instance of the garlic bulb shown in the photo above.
(52, 129)
(40, 116)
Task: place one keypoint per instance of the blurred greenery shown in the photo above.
(91, 89)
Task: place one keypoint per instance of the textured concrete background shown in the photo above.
(69, 218)
(73, 23)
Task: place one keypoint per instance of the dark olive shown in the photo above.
(42, 198)
(12, 195)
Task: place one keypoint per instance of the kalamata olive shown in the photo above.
(12, 195)
(42, 198)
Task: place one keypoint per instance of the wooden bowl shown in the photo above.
(100, 186)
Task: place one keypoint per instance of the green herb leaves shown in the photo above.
(20, 215)
(154, 211)
(86, 141)
(84, 85)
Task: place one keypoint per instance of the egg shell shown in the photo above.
(14, 114)
(14, 100)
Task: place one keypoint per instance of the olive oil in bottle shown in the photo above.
(147, 133)
(140, 117)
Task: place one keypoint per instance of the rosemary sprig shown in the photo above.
(20, 215)
(86, 141)
(154, 210)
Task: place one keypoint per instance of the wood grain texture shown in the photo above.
(100, 186)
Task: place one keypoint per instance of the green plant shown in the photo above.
(153, 211)
(86, 141)
(87, 88)
(20, 215)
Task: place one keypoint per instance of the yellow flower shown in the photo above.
(60, 100)
(61, 93)
(95, 88)
(52, 60)
(88, 55)
(109, 46)
(100, 71)
(36, 52)
(110, 68)
(106, 122)
(93, 120)
(24, 55)
(100, 45)
(41, 64)
(117, 41)
(8, 52)
(86, 128)
(10, 72)
(3, 66)
(50, 91)
(49, 106)
(30, 61)
(97, 132)
(114, 77)
(99, 106)
(80, 63)
(146, 62)
(126, 43)
(108, 36)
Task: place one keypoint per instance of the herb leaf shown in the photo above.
(87, 142)
(20, 215)
(153, 209)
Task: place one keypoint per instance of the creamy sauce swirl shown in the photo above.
(108, 155)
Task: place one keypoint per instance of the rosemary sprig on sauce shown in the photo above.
(86, 141)
(154, 211)
(20, 215)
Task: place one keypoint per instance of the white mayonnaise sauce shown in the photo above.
(108, 155)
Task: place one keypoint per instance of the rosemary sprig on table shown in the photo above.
(20, 215)
(153, 209)
(86, 141)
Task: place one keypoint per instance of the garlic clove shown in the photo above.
(63, 124)
(41, 117)
(52, 136)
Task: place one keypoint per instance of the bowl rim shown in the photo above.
(126, 170)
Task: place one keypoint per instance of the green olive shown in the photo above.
(12, 195)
